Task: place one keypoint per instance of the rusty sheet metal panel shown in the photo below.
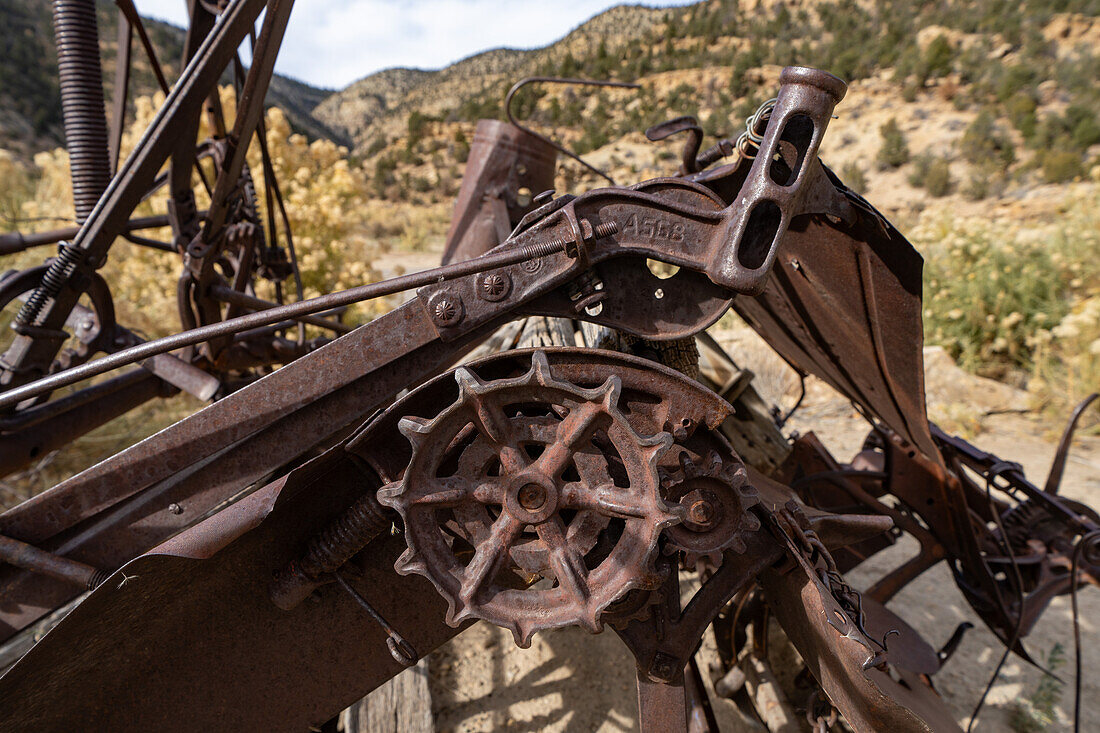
(123, 506)
(503, 160)
(186, 637)
(844, 303)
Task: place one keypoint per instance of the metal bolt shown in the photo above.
(544, 197)
(532, 497)
(701, 512)
(493, 286)
(175, 508)
(445, 311)
(446, 308)
(663, 667)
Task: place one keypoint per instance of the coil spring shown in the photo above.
(57, 274)
(344, 537)
(81, 80)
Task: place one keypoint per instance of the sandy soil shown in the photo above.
(570, 680)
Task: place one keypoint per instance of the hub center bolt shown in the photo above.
(532, 497)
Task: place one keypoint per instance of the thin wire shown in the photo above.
(1020, 601)
(1085, 540)
(798, 403)
(557, 80)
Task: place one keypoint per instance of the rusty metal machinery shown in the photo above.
(275, 556)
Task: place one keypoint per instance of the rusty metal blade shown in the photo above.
(865, 339)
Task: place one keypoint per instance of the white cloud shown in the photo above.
(331, 43)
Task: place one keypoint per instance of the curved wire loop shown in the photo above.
(559, 80)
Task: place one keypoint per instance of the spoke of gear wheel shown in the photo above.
(481, 530)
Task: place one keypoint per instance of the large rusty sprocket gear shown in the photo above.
(715, 496)
(540, 502)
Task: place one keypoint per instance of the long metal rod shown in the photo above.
(244, 300)
(31, 558)
(273, 315)
(13, 242)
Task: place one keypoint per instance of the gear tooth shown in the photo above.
(610, 391)
(658, 443)
(686, 464)
(414, 429)
(409, 563)
(738, 545)
(458, 611)
(714, 461)
(674, 515)
(468, 383)
(522, 633)
(690, 560)
(389, 495)
(540, 368)
(752, 522)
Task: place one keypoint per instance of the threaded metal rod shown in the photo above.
(29, 557)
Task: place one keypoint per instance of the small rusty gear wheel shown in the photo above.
(536, 503)
(715, 496)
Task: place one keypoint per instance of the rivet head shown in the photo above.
(493, 286)
(446, 308)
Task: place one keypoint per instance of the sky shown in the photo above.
(331, 43)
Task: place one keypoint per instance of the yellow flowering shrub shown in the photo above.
(327, 201)
(329, 206)
(1000, 296)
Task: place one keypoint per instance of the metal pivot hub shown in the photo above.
(715, 495)
(566, 465)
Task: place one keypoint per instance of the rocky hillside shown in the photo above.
(380, 104)
(30, 102)
(973, 99)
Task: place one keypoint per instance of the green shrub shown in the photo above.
(1084, 129)
(1002, 296)
(894, 151)
(1021, 112)
(978, 186)
(938, 57)
(1060, 166)
(933, 174)
(986, 146)
(853, 177)
(1036, 713)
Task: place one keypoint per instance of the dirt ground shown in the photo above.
(570, 680)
